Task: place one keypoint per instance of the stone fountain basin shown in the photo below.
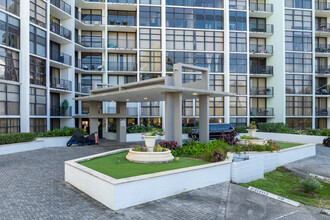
(252, 141)
(149, 157)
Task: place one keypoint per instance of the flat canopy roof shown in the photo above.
(148, 93)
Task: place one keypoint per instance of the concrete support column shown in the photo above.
(121, 122)
(93, 122)
(173, 115)
(204, 118)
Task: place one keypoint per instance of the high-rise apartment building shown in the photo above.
(273, 54)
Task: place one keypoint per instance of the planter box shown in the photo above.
(121, 193)
(249, 170)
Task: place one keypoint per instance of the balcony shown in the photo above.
(322, 50)
(90, 21)
(122, 46)
(122, 1)
(261, 70)
(322, 69)
(322, 112)
(262, 91)
(60, 30)
(56, 110)
(262, 112)
(261, 10)
(322, 9)
(61, 84)
(89, 67)
(122, 66)
(322, 30)
(322, 90)
(261, 30)
(62, 5)
(260, 50)
(60, 57)
(122, 22)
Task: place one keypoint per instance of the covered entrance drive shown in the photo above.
(169, 89)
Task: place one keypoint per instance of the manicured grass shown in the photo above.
(284, 183)
(283, 145)
(108, 165)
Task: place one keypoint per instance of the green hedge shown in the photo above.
(65, 131)
(139, 129)
(185, 130)
(241, 129)
(17, 138)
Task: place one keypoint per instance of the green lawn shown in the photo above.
(284, 145)
(108, 165)
(283, 183)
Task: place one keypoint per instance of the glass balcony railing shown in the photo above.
(268, 28)
(267, 70)
(122, 21)
(262, 91)
(261, 49)
(89, 19)
(90, 41)
(323, 27)
(122, 66)
(261, 7)
(322, 112)
(322, 69)
(62, 84)
(259, 112)
(88, 66)
(62, 5)
(123, 1)
(322, 48)
(322, 6)
(56, 110)
(60, 57)
(124, 44)
(322, 90)
(60, 30)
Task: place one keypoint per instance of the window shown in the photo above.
(10, 6)
(238, 84)
(150, 38)
(238, 106)
(216, 82)
(299, 123)
(150, 61)
(92, 39)
(259, 25)
(9, 99)
(194, 40)
(237, 4)
(9, 65)
(298, 4)
(150, 109)
(122, 62)
(38, 99)
(89, 16)
(216, 106)
(37, 41)
(237, 20)
(150, 16)
(92, 61)
(297, 19)
(150, 2)
(194, 18)
(9, 30)
(298, 84)
(37, 71)
(9, 125)
(38, 125)
(187, 107)
(122, 18)
(214, 61)
(298, 41)
(299, 105)
(238, 122)
(197, 3)
(298, 62)
(119, 80)
(38, 12)
(87, 82)
(238, 63)
(238, 42)
(122, 40)
(156, 122)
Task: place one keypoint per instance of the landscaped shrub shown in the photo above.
(65, 131)
(171, 145)
(229, 138)
(241, 129)
(310, 185)
(270, 146)
(185, 130)
(271, 127)
(215, 155)
(17, 138)
(139, 129)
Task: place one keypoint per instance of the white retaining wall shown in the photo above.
(136, 137)
(248, 170)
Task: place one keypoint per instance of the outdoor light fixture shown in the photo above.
(127, 100)
(195, 93)
(145, 98)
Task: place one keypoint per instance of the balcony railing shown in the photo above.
(117, 20)
(122, 66)
(60, 57)
(56, 110)
(323, 90)
(261, 112)
(261, 49)
(323, 27)
(268, 28)
(89, 18)
(123, 44)
(62, 5)
(322, 48)
(262, 7)
(123, 1)
(323, 6)
(84, 109)
(60, 30)
(81, 64)
(262, 91)
(90, 41)
(62, 84)
(268, 70)
(322, 112)
(322, 69)
(133, 111)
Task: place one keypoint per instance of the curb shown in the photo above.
(322, 178)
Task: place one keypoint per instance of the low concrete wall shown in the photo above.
(250, 170)
(135, 137)
(121, 193)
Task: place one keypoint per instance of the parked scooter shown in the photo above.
(79, 139)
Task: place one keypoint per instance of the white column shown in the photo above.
(173, 114)
(226, 80)
(121, 122)
(204, 118)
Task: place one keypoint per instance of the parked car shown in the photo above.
(215, 130)
(326, 142)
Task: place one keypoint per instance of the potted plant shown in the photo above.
(150, 138)
(252, 129)
(65, 106)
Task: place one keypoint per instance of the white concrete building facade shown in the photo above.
(273, 54)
